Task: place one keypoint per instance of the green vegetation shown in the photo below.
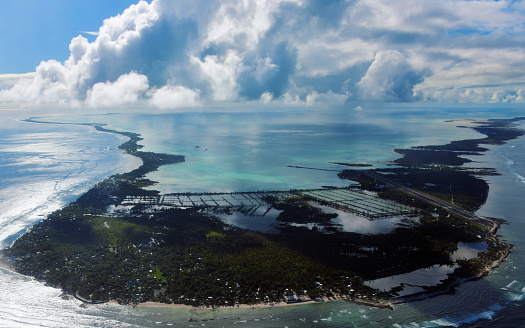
(183, 256)
(186, 256)
(433, 169)
(190, 256)
(158, 275)
(411, 246)
(449, 184)
(497, 132)
(214, 234)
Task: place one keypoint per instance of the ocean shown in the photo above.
(45, 166)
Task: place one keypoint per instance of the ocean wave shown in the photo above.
(513, 157)
(40, 173)
(30, 303)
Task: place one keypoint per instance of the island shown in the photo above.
(120, 242)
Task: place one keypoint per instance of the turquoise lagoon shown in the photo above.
(237, 150)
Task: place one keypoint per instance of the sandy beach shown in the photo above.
(4, 264)
(470, 123)
(237, 306)
(385, 304)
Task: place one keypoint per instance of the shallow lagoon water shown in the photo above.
(261, 218)
(248, 151)
(468, 251)
(353, 223)
(30, 304)
(43, 167)
(413, 282)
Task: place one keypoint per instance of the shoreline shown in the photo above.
(383, 304)
(447, 288)
(4, 264)
(152, 304)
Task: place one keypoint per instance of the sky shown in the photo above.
(169, 54)
(32, 30)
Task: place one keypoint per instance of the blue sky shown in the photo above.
(36, 30)
(168, 54)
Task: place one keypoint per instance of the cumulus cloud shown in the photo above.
(508, 96)
(7, 81)
(481, 94)
(266, 97)
(170, 96)
(169, 54)
(49, 85)
(329, 98)
(221, 73)
(389, 78)
(109, 57)
(127, 89)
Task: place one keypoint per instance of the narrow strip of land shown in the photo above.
(433, 200)
(164, 248)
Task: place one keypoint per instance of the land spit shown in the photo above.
(202, 248)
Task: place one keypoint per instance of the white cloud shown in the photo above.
(324, 57)
(291, 98)
(488, 94)
(509, 96)
(266, 98)
(389, 78)
(90, 33)
(221, 72)
(170, 96)
(244, 22)
(127, 26)
(289, 51)
(9, 80)
(89, 64)
(329, 98)
(126, 90)
(49, 85)
(265, 69)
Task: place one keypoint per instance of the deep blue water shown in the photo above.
(246, 150)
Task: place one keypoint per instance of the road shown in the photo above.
(432, 200)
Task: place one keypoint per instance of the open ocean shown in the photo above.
(45, 166)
